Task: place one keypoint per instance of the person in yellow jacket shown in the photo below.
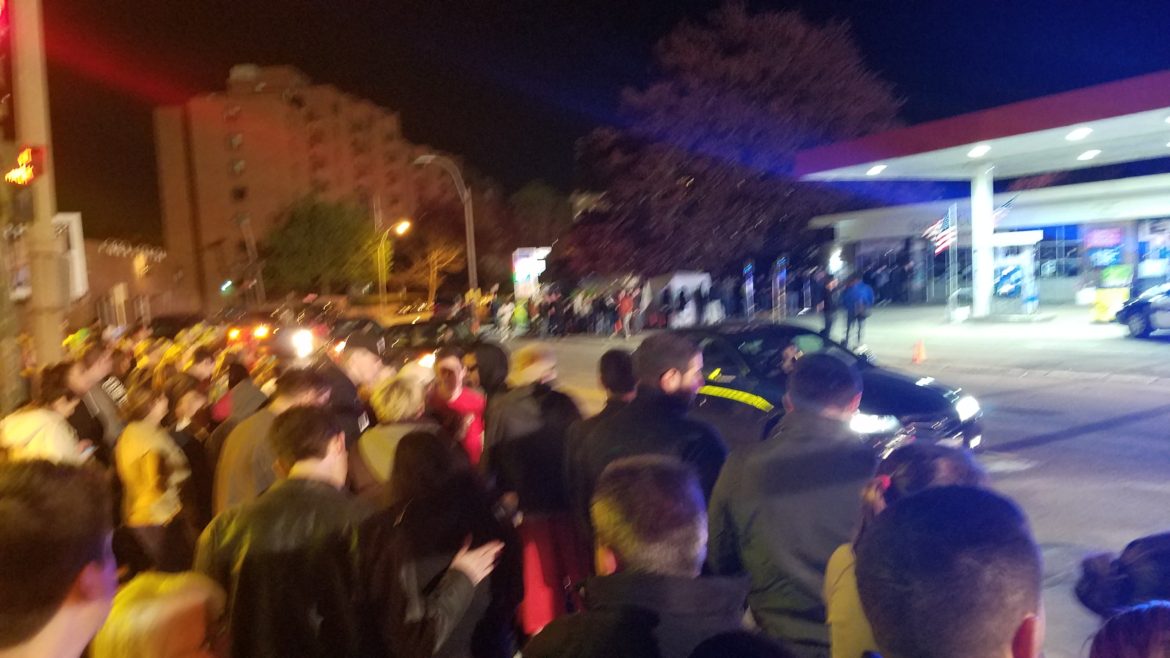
(907, 471)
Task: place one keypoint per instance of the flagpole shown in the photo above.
(953, 261)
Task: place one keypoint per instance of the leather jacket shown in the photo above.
(288, 563)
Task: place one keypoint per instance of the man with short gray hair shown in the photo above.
(650, 521)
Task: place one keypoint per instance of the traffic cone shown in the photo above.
(919, 355)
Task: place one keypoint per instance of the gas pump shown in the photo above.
(1113, 276)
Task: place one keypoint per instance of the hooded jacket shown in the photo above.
(779, 511)
(525, 446)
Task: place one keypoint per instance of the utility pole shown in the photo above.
(11, 384)
(446, 164)
(31, 91)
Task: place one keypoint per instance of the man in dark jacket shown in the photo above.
(670, 372)
(620, 385)
(857, 300)
(287, 559)
(782, 507)
(525, 454)
(651, 525)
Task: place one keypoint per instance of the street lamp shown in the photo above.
(465, 196)
(400, 229)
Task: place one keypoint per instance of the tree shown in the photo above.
(320, 246)
(439, 258)
(540, 214)
(701, 174)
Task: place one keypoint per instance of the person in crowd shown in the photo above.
(1140, 632)
(952, 572)
(242, 399)
(487, 371)
(829, 303)
(439, 570)
(1111, 583)
(649, 599)
(245, 467)
(620, 385)
(520, 317)
(857, 299)
(670, 371)
(360, 368)
(458, 409)
(162, 615)
(504, 318)
(525, 456)
(41, 430)
(96, 419)
(625, 313)
(783, 506)
(187, 401)
(153, 471)
(116, 383)
(400, 407)
(907, 471)
(59, 575)
(202, 366)
(287, 559)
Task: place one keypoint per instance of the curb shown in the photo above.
(1020, 373)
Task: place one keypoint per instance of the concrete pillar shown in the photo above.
(982, 250)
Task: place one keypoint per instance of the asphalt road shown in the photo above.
(1083, 450)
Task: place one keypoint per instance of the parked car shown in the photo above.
(1148, 312)
(746, 368)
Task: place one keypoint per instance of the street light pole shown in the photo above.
(400, 228)
(30, 86)
(468, 219)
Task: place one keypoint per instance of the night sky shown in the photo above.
(511, 84)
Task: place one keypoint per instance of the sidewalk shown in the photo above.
(1069, 345)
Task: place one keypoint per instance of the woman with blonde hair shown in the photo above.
(159, 615)
(399, 406)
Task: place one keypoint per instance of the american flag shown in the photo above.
(944, 234)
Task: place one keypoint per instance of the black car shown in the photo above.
(419, 340)
(1148, 312)
(746, 369)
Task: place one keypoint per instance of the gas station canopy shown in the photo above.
(1122, 121)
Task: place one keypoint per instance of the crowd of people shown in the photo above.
(178, 498)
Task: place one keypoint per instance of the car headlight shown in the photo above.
(302, 343)
(967, 407)
(871, 424)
